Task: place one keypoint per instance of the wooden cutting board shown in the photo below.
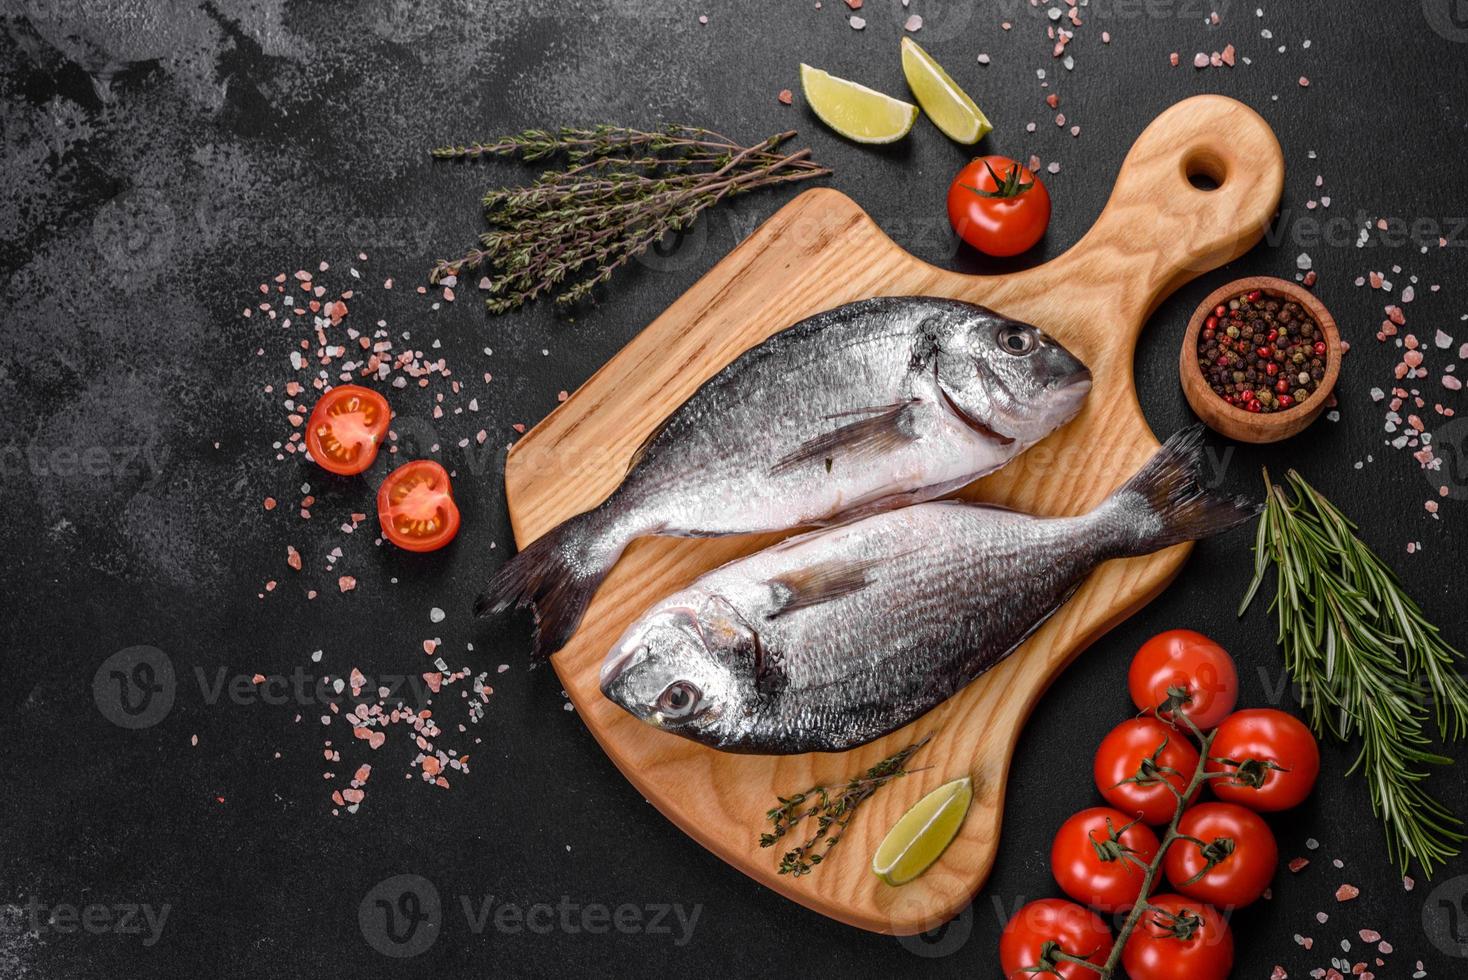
(821, 250)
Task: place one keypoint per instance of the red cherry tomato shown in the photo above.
(416, 508)
(346, 428)
(1241, 843)
(1187, 940)
(1100, 856)
(1076, 930)
(1273, 757)
(999, 217)
(1138, 749)
(1187, 660)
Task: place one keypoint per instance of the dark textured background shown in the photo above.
(162, 159)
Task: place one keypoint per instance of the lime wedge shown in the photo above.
(946, 104)
(855, 111)
(923, 833)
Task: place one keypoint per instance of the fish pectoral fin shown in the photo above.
(818, 583)
(886, 428)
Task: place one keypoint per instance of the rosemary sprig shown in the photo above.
(622, 191)
(1366, 659)
(832, 811)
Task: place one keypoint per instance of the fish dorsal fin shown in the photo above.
(884, 428)
(818, 583)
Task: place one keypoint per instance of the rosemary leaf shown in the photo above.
(1365, 659)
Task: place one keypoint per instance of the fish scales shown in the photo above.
(869, 406)
(839, 636)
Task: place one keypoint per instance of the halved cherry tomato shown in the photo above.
(1075, 930)
(346, 428)
(1187, 661)
(1003, 216)
(1128, 768)
(1186, 940)
(416, 508)
(1100, 857)
(1238, 844)
(1273, 757)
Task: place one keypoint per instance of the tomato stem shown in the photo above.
(1108, 970)
(1010, 185)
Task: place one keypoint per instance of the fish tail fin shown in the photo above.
(555, 575)
(1163, 504)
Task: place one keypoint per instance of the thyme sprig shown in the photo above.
(621, 192)
(1366, 661)
(832, 810)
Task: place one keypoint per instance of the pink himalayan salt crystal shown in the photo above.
(1346, 892)
(1200, 60)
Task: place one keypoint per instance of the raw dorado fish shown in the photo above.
(834, 638)
(871, 405)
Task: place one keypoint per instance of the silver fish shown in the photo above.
(839, 636)
(871, 405)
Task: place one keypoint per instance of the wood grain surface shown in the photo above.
(821, 250)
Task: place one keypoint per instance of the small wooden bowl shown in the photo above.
(1235, 422)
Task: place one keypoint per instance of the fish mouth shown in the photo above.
(1078, 377)
(618, 664)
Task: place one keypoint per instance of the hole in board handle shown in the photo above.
(1205, 170)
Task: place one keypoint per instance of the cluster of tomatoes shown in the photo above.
(415, 504)
(1221, 854)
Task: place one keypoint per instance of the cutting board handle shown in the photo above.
(1163, 225)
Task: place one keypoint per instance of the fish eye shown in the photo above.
(1017, 340)
(678, 699)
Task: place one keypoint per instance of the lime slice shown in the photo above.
(923, 833)
(946, 104)
(855, 111)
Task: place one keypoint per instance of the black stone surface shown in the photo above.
(163, 159)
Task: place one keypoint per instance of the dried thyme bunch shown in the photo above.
(621, 191)
(832, 810)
